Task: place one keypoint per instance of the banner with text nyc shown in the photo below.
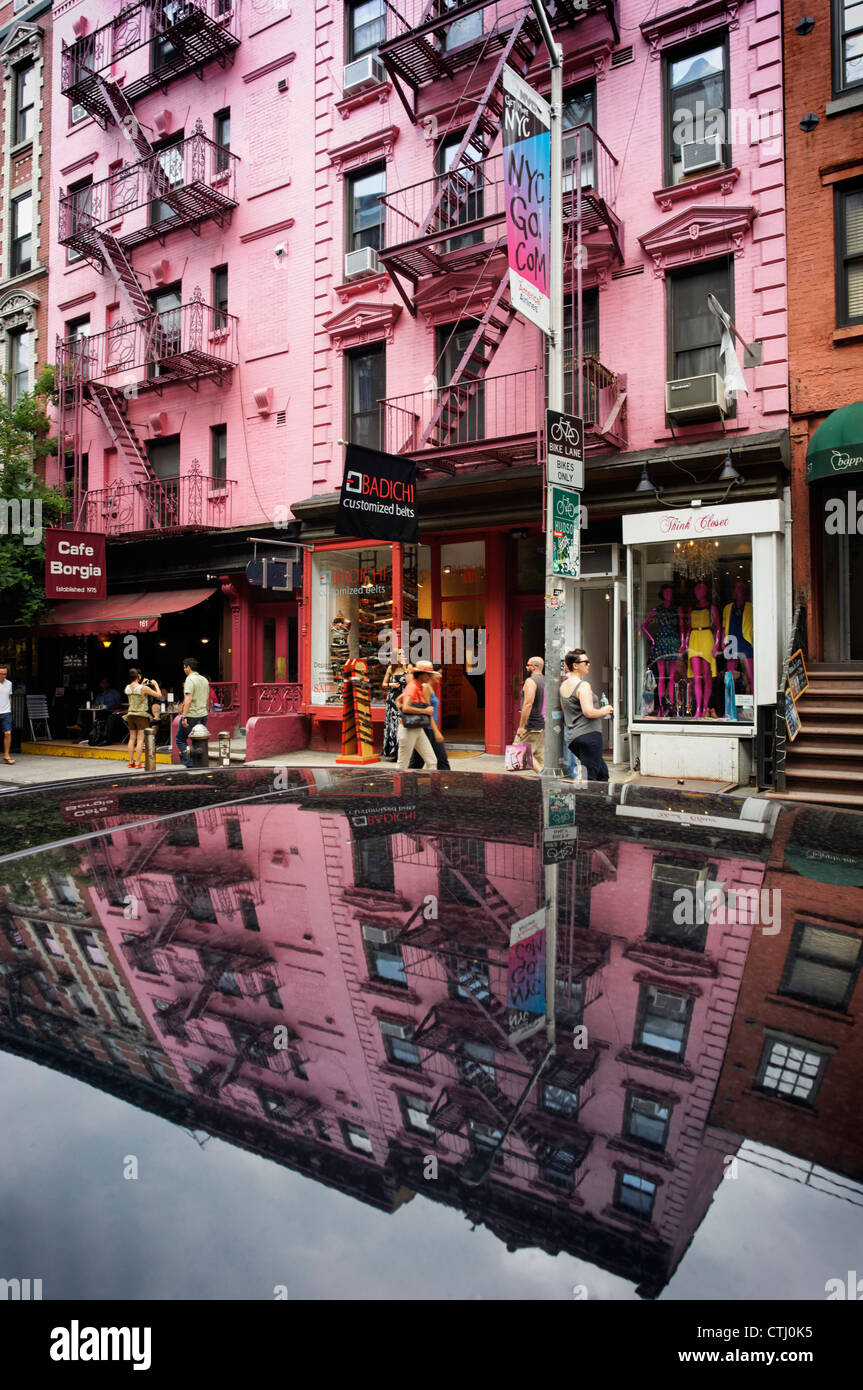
(527, 180)
(378, 497)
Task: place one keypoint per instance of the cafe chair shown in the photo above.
(37, 713)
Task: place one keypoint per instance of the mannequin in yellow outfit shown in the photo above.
(703, 640)
(737, 625)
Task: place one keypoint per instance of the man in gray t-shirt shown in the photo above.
(531, 724)
(195, 707)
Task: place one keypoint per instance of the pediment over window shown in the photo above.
(362, 323)
(24, 41)
(698, 234)
(18, 310)
(689, 21)
(369, 150)
(447, 297)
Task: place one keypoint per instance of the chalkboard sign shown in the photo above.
(798, 678)
(792, 718)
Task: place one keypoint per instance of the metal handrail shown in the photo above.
(195, 330)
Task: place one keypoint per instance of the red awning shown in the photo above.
(119, 613)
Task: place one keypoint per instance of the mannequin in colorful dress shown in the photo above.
(668, 644)
(703, 640)
(737, 623)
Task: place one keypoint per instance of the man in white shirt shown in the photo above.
(6, 713)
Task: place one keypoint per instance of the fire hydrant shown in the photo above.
(199, 746)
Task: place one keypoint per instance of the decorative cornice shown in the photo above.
(24, 41)
(696, 235)
(367, 284)
(362, 323)
(378, 145)
(270, 67)
(447, 297)
(284, 226)
(671, 960)
(82, 163)
(73, 303)
(18, 310)
(587, 63)
(721, 181)
(661, 969)
(631, 1057)
(379, 93)
(687, 22)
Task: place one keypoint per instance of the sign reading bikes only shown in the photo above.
(564, 448)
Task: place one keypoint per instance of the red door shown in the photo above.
(527, 638)
(276, 655)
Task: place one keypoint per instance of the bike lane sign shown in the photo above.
(564, 448)
(564, 520)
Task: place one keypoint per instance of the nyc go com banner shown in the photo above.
(527, 179)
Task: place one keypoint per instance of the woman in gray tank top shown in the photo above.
(582, 733)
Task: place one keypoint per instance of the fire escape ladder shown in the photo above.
(111, 407)
(455, 399)
(115, 259)
(478, 138)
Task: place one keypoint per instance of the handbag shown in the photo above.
(518, 757)
(416, 721)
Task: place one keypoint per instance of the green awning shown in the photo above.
(836, 447)
(840, 870)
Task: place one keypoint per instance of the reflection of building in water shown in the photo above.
(327, 981)
(791, 1077)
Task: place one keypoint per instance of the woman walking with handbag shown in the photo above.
(582, 734)
(416, 716)
(394, 682)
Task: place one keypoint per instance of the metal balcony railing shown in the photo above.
(202, 181)
(154, 41)
(498, 413)
(169, 504)
(451, 211)
(177, 345)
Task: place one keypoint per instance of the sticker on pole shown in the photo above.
(525, 976)
(564, 449)
(565, 522)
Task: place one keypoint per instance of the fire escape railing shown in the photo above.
(201, 178)
(170, 37)
(189, 502)
(182, 344)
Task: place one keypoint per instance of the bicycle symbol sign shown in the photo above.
(564, 437)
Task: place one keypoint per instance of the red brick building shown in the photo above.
(791, 1074)
(824, 173)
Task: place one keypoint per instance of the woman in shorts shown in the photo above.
(137, 717)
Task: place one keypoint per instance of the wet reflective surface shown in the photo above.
(260, 1033)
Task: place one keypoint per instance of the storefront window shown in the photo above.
(693, 615)
(462, 587)
(352, 612)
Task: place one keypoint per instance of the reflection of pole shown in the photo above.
(580, 356)
(478, 1167)
(553, 644)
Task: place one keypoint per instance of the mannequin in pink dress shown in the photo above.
(669, 642)
(703, 641)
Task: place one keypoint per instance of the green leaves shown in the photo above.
(28, 504)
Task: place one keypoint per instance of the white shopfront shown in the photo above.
(725, 569)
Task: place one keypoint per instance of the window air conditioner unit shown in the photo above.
(380, 936)
(396, 1030)
(682, 876)
(367, 71)
(694, 398)
(674, 1003)
(699, 155)
(362, 262)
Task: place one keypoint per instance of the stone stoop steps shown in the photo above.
(824, 764)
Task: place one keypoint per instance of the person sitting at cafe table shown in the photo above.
(109, 699)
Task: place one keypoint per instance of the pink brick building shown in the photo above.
(326, 978)
(364, 147)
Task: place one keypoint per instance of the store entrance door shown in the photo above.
(600, 626)
(843, 574)
(527, 638)
(275, 653)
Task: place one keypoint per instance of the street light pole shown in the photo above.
(554, 643)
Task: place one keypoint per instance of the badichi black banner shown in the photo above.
(378, 496)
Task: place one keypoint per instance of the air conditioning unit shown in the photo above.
(396, 1030)
(362, 262)
(673, 1003)
(380, 936)
(699, 155)
(694, 398)
(367, 71)
(682, 876)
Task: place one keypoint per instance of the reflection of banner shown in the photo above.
(527, 178)
(357, 744)
(372, 820)
(525, 976)
(378, 496)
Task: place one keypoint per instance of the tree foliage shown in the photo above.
(25, 442)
